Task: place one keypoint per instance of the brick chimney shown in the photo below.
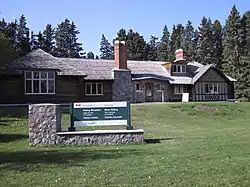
(120, 51)
(179, 55)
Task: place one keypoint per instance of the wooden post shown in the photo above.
(129, 126)
(71, 110)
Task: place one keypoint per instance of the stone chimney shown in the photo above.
(122, 83)
(120, 51)
(179, 55)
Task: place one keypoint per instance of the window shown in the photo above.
(179, 89)
(138, 87)
(158, 87)
(93, 89)
(179, 68)
(211, 88)
(39, 82)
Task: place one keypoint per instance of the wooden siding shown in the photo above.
(178, 97)
(107, 91)
(211, 77)
(12, 89)
(231, 94)
(68, 89)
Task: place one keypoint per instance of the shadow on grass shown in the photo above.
(157, 140)
(7, 121)
(13, 111)
(28, 160)
(5, 138)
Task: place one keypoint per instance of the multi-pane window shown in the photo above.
(211, 88)
(179, 89)
(179, 68)
(39, 82)
(138, 87)
(158, 87)
(93, 89)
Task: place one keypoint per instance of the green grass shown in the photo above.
(187, 147)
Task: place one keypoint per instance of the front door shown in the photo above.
(149, 92)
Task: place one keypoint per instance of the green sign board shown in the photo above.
(100, 113)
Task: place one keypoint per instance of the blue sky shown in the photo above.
(96, 17)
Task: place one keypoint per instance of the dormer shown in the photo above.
(179, 66)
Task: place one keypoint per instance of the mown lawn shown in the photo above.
(184, 147)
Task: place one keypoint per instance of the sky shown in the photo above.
(96, 17)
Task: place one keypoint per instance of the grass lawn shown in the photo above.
(185, 146)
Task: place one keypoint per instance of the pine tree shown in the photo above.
(136, 46)
(96, 57)
(152, 49)
(205, 50)
(243, 82)
(106, 49)
(75, 48)
(22, 40)
(49, 35)
(163, 52)
(37, 41)
(121, 35)
(188, 42)
(217, 42)
(5, 51)
(11, 33)
(90, 55)
(231, 44)
(66, 40)
(175, 40)
(3, 26)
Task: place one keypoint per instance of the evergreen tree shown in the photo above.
(243, 82)
(205, 50)
(90, 55)
(121, 35)
(106, 49)
(3, 26)
(175, 40)
(48, 35)
(217, 42)
(96, 57)
(37, 41)
(5, 51)
(231, 44)
(66, 40)
(22, 40)
(136, 46)
(152, 49)
(11, 33)
(75, 50)
(163, 52)
(188, 42)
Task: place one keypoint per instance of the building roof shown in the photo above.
(101, 69)
(200, 71)
(42, 60)
(180, 80)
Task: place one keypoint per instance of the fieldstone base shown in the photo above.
(102, 137)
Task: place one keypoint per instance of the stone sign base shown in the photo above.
(45, 129)
(100, 137)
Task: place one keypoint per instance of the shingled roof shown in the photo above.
(39, 59)
(101, 69)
